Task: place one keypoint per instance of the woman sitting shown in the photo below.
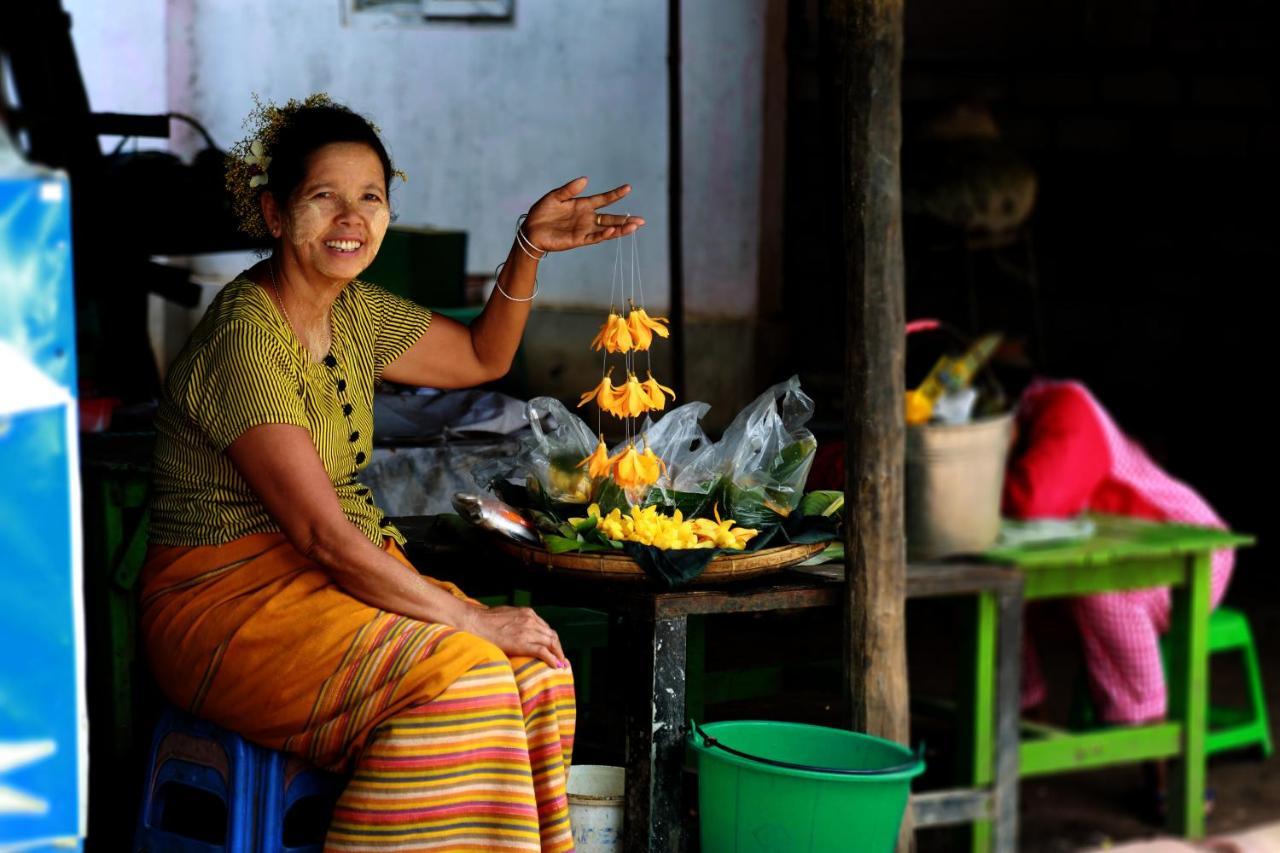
(276, 600)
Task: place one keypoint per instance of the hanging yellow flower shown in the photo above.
(651, 466)
(604, 393)
(632, 400)
(629, 472)
(614, 335)
(599, 463)
(643, 327)
(654, 391)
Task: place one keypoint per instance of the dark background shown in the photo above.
(1152, 129)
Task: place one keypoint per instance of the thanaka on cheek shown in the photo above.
(378, 224)
(306, 223)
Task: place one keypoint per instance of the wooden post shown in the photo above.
(864, 61)
(675, 198)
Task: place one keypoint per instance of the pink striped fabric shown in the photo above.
(1121, 630)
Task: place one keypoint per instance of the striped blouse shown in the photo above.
(243, 366)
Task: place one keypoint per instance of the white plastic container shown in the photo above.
(596, 793)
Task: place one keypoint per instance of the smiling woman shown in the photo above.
(276, 600)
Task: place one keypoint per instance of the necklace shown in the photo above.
(271, 269)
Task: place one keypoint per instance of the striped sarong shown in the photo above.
(480, 767)
(258, 639)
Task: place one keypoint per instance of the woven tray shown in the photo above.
(619, 567)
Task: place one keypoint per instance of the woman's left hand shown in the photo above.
(562, 219)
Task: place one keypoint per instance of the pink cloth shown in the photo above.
(1084, 462)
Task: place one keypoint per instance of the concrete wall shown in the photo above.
(486, 118)
(122, 57)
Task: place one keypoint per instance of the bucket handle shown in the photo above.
(709, 741)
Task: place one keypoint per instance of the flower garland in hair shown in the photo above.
(249, 160)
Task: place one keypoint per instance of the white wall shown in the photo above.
(487, 118)
(121, 49)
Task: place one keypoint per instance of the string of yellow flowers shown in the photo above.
(629, 467)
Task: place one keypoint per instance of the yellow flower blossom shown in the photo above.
(614, 335)
(632, 400)
(654, 391)
(599, 463)
(643, 327)
(651, 466)
(631, 471)
(604, 394)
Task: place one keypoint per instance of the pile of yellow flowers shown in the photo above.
(650, 527)
(630, 468)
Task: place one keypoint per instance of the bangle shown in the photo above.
(498, 284)
(525, 243)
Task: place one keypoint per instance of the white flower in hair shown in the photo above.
(258, 161)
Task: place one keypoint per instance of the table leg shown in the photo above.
(1008, 712)
(982, 722)
(655, 735)
(1188, 694)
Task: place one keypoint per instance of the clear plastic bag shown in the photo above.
(765, 455)
(548, 457)
(678, 439)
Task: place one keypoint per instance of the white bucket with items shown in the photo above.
(596, 793)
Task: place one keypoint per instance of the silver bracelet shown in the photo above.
(497, 282)
(525, 243)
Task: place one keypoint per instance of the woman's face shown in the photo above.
(338, 215)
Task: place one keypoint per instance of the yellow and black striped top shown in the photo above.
(242, 367)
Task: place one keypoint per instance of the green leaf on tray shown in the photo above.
(560, 544)
(824, 502)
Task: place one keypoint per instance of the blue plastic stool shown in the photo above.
(286, 783)
(258, 788)
(192, 755)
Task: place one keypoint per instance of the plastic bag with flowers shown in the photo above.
(546, 462)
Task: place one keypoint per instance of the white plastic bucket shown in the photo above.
(596, 794)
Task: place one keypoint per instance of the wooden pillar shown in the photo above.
(864, 57)
(675, 198)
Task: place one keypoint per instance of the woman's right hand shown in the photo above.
(517, 631)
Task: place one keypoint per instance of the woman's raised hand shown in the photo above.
(517, 631)
(562, 219)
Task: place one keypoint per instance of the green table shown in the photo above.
(1124, 554)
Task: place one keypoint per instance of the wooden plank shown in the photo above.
(933, 580)
(950, 807)
(754, 601)
(1121, 745)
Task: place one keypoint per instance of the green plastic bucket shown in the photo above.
(770, 786)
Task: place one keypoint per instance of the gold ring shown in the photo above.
(598, 219)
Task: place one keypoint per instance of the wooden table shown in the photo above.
(1130, 554)
(653, 626)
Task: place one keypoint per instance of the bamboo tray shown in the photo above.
(620, 567)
